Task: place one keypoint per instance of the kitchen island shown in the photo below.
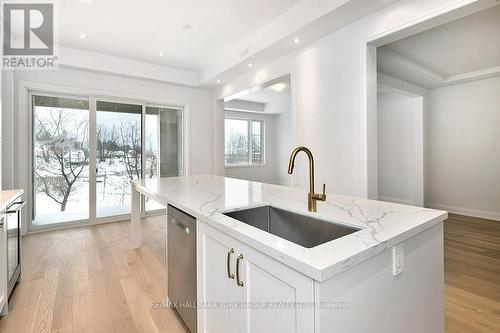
(371, 279)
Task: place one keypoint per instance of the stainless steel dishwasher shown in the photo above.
(181, 244)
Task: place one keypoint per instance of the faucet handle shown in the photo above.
(320, 197)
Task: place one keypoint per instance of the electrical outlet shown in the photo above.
(398, 261)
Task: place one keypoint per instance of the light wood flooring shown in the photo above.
(472, 274)
(89, 280)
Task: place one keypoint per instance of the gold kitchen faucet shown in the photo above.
(312, 197)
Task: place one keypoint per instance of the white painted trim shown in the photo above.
(220, 116)
(418, 150)
(103, 63)
(368, 185)
(249, 121)
(93, 160)
(435, 80)
(400, 86)
(219, 158)
(472, 76)
(24, 142)
(369, 72)
(433, 19)
(483, 214)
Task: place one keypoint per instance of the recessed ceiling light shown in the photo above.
(278, 86)
(185, 26)
(162, 54)
(218, 81)
(84, 36)
(296, 40)
(249, 64)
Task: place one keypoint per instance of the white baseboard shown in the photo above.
(397, 200)
(483, 214)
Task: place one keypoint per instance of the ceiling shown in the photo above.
(141, 29)
(274, 101)
(200, 43)
(461, 50)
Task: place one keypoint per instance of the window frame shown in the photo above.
(29, 89)
(250, 135)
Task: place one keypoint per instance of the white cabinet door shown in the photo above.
(216, 290)
(268, 295)
(3, 263)
(272, 292)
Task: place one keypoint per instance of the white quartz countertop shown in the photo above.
(7, 197)
(382, 224)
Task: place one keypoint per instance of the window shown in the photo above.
(244, 142)
(86, 150)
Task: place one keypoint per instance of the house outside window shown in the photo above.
(244, 142)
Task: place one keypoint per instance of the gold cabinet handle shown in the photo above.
(238, 281)
(229, 274)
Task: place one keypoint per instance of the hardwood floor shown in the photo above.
(89, 280)
(472, 274)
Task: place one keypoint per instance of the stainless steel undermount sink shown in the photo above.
(303, 230)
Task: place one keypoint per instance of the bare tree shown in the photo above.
(130, 137)
(151, 159)
(236, 149)
(101, 138)
(61, 154)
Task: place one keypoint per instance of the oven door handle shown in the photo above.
(18, 208)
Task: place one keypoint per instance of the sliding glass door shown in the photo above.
(118, 155)
(86, 150)
(60, 159)
(163, 145)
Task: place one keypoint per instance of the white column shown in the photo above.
(136, 236)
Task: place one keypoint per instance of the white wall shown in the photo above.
(8, 181)
(197, 102)
(328, 82)
(395, 148)
(464, 148)
(284, 147)
(275, 132)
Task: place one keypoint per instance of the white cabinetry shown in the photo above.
(254, 293)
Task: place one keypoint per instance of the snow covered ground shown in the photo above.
(112, 195)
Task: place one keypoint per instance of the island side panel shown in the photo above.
(369, 298)
(135, 217)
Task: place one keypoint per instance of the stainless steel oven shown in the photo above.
(14, 242)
